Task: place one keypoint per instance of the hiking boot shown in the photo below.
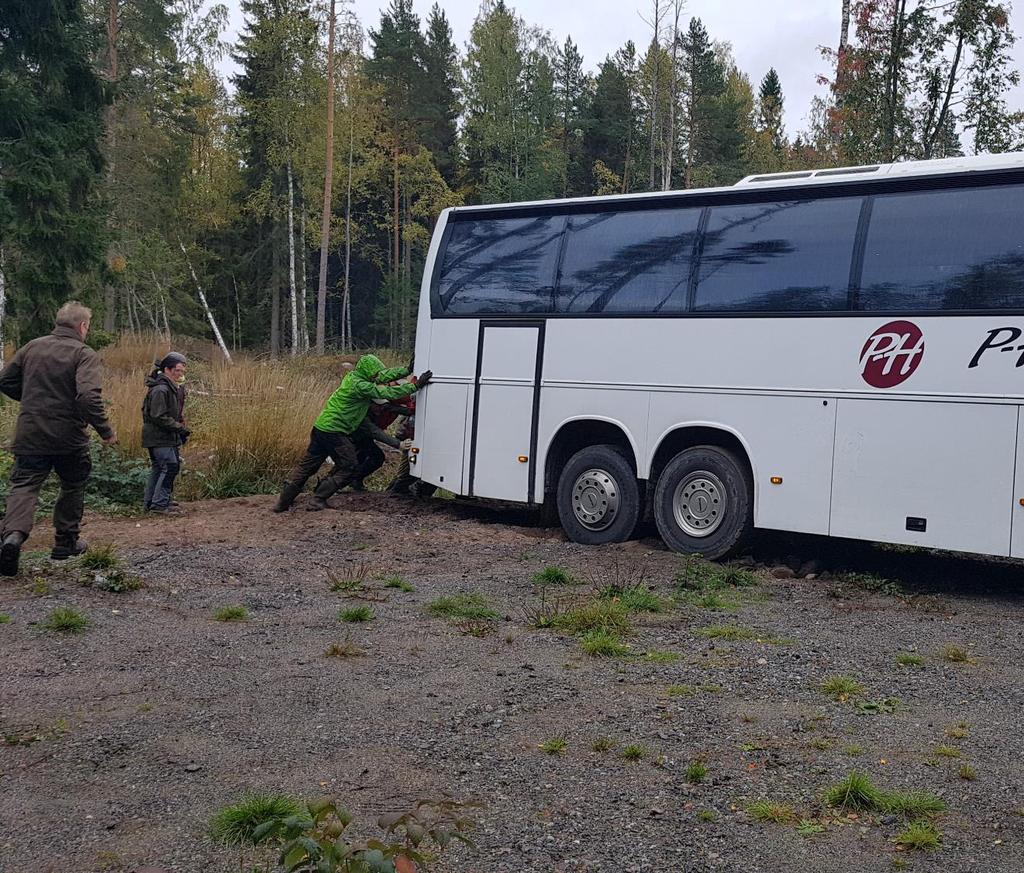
(170, 509)
(10, 552)
(358, 485)
(316, 504)
(66, 548)
(287, 498)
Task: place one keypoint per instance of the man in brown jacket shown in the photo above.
(57, 380)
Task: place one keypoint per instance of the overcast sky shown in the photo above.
(785, 34)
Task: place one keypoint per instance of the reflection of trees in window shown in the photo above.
(493, 265)
(997, 283)
(758, 252)
(789, 248)
(609, 283)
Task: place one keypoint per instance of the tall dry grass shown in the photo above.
(250, 420)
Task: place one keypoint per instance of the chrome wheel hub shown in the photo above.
(699, 504)
(595, 499)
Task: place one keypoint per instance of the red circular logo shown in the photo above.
(891, 354)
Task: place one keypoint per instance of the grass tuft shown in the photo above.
(236, 824)
(726, 632)
(967, 773)
(841, 687)
(858, 793)
(769, 810)
(947, 751)
(397, 582)
(635, 598)
(553, 746)
(956, 655)
(66, 620)
(553, 576)
(355, 614)
(919, 836)
(4, 618)
(909, 659)
(634, 752)
(597, 615)
(100, 557)
(345, 649)
(469, 605)
(603, 744)
(707, 815)
(656, 656)
(602, 643)
(696, 772)
(231, 613)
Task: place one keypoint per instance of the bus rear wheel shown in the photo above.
(598, 496)
(704, 502)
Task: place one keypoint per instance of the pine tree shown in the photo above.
(51, 128)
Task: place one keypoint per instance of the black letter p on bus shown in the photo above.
(995, 341)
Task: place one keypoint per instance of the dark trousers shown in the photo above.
(166, 461)
(322, 445)
(27, 478)
(405, 483)
(369, 456)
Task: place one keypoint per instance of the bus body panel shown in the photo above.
(779, 355)
(446, 406)
(940, 466)
(766, 427)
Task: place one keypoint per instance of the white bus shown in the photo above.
(838, 352)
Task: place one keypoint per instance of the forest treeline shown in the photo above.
(290, 209)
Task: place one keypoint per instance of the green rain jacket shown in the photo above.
(347, 407)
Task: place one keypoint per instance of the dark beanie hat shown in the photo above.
(171, 359)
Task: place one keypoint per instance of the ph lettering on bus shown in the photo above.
(897, 341)
(1003, 343)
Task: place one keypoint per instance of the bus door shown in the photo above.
(507, 400)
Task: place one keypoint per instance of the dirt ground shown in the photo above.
(121, 741)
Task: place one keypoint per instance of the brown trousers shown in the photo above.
(27, 478)
(339, 448)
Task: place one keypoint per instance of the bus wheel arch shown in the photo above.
(703, 492)
(591, 473)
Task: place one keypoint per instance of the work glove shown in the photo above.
(405, 445)
(424, 378)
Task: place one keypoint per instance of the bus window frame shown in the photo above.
(868, 189)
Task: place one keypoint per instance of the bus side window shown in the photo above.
(789, 256)
(952, 249)
(502, 265)
(627, 262)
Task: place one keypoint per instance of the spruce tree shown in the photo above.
(571, 87)
(609, 130)
(51, 127)
(769, 109)
(440, 105)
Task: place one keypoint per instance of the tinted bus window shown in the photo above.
(952, 249)
(791, 256)
(500, 265)
(627, 262)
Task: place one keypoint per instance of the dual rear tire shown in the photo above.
(703, 501)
